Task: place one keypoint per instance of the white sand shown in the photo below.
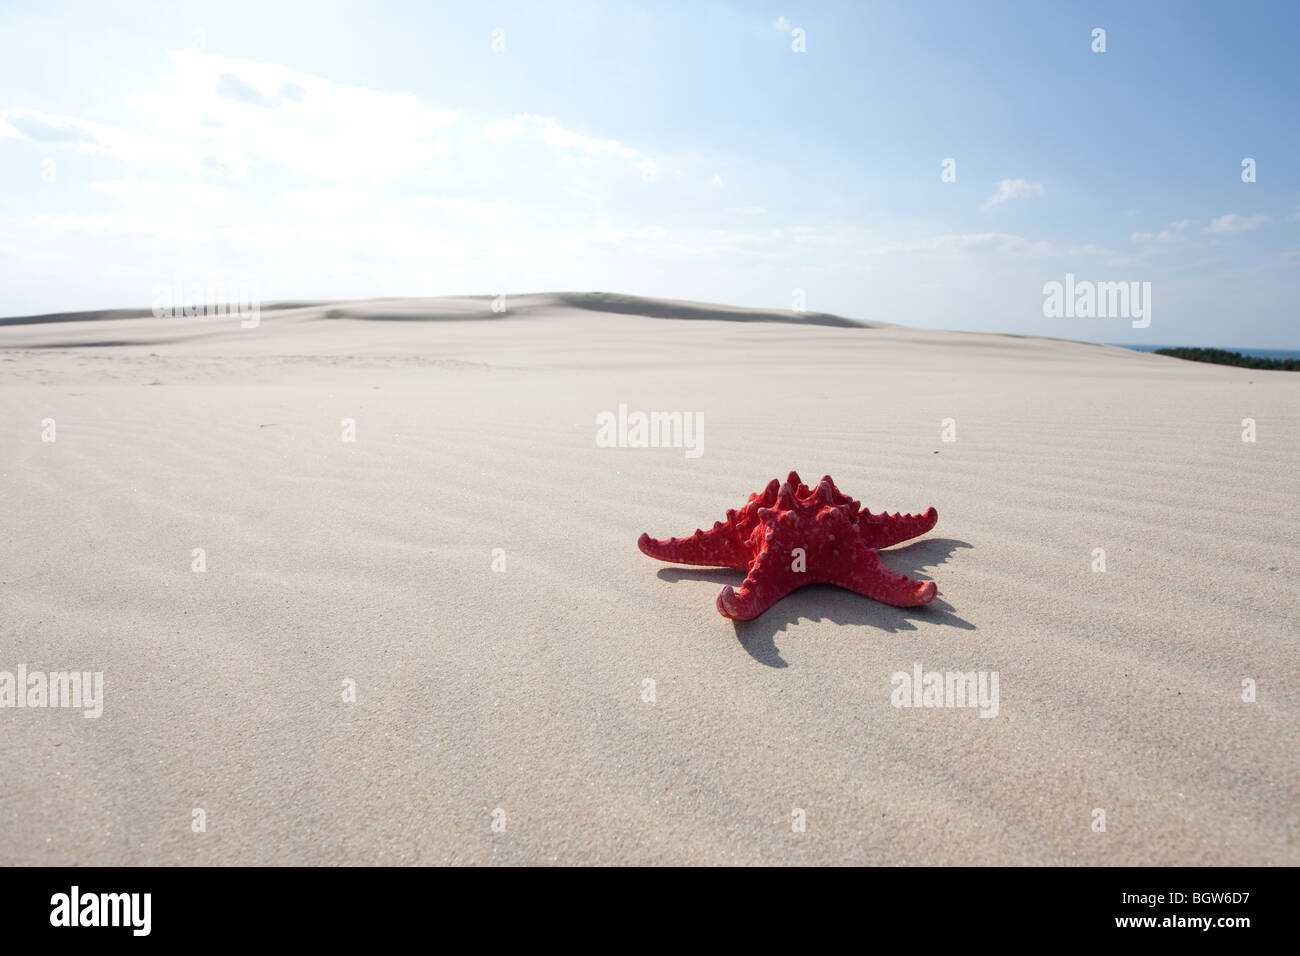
(523, 690)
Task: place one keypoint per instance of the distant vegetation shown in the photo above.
(1224, 357)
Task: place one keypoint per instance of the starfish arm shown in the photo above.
(720, 547)
(753, 597)
(884, 530)
(868, 575)
(769, 579)
(725, 545)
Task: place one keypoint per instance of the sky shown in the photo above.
(927, 164)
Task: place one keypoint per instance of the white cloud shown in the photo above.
(216, 115)
(575, 149)
(962, 243)
(346, 148)
(174, 194)
(238, 112)
(1013, 189)
(1234, 223)
(166, 228)
(68, 132)
(782, 25)
(505, 127)
(556, 135)
(351, 201)
(468, 208)
(331, 200)
(1175, 233)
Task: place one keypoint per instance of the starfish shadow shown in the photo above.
(825, 602)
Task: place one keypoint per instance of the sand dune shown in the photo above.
(524, 690)
(477, 308)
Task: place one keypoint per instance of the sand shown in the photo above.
(519, 697)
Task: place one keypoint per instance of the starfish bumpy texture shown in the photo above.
(789, 535)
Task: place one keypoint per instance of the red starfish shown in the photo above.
(839, 542)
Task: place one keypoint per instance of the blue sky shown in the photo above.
(685, 150)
